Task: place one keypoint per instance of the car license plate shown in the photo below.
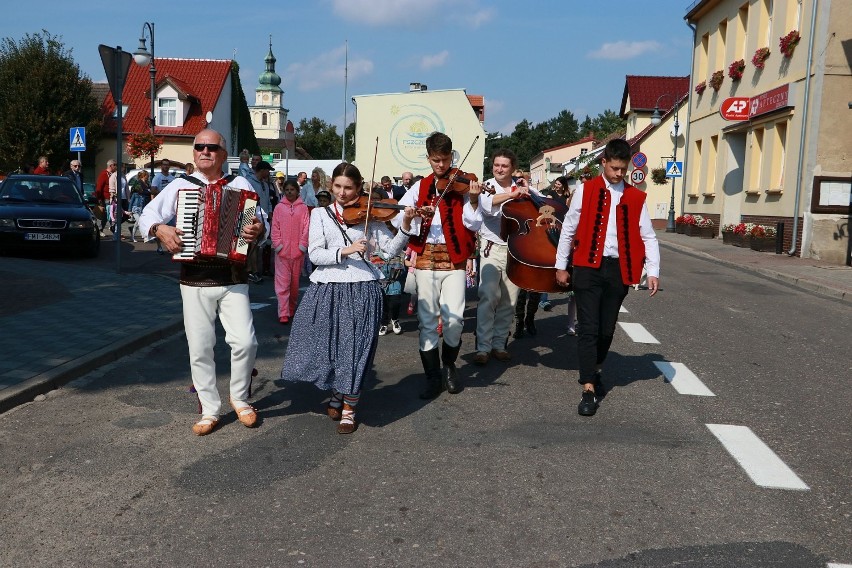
(41, 236)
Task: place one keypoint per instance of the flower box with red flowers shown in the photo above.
(789, 42)
(735, 69)
(701, 87)
(717, 79)
(760, 56)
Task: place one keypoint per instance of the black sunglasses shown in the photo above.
(210, 147)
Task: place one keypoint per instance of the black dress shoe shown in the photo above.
(519, 329)
(588, 404)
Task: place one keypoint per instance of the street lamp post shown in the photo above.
(142, 57)
(656, 118)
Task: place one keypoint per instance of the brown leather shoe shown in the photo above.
(500, 354)
(481, 358)
(246, 415)
(334, 413)
(204, 426)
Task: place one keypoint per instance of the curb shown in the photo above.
(793, 281)
(26, 391)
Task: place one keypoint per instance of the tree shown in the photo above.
(319, 139)
(350, 142)
(603, 124)
(42, 95)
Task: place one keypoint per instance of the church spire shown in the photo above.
(269, 80)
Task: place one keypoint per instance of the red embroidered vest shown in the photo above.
(591, 230)
(460, 240)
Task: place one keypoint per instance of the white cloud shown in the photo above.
(507, 128)
(384, 12)
(482, 16)
(437, 60)
(625, 49)
(326, 69)
(493, 105)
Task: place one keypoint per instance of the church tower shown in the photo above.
(268, 115)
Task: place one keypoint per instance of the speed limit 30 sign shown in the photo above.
(637, 176)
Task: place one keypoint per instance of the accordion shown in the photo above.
(212, 218)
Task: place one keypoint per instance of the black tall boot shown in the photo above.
(529, 321)
(432, 366)
(449, 374)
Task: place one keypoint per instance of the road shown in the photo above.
(106, 472)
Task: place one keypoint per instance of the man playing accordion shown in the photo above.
(211, 286)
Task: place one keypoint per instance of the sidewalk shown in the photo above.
(61, 317)
(830, 280)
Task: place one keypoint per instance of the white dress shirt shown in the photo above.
(492, 215)
(646, 230)
(472, 218)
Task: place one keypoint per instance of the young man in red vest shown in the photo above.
(608, 237)
(443, 241)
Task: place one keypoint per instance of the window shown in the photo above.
(263, 119)
(703, 54)
(742, 32)
(696, 179)
(768, 8)
(779, 155)
(123, 111)
(755, 160)
(168, 112)
(712, 154)
(721, 45)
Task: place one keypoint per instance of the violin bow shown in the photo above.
(455, 175)
(370, 193)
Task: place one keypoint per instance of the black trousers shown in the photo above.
(599, 293)
(392, 304)
(527, 304)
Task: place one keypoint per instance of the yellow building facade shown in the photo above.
(770, 120)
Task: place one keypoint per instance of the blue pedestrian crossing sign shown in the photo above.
(674, 169)
(78, 139)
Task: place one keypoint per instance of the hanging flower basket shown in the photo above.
(760, 57)
(716, 80)
(701, 87)
(735, 70)
(658, 176)
(789, 42)
(143, 145)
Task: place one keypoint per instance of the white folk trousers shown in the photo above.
(497, 298)
(200, 307)
(440, 292)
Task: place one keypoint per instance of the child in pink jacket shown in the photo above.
(290, 223)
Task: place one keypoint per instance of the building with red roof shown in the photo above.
(190, 95)
(546, 166)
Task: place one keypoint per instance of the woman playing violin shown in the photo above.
(335, 329)
(443, 242)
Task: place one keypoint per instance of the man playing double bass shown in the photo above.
(607, 233)
(497, 294)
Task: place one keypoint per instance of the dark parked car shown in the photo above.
(45, 212)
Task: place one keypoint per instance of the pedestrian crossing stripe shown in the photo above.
(674, 170)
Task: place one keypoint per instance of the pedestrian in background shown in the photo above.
(290, 243)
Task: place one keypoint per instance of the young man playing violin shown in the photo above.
(443, 241)
(497, 294)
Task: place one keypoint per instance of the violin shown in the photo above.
(381, 210)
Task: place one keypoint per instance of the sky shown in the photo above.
(530, 59)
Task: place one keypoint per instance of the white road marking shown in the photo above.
(836, 565)
(761, 464)
(622, 310)
(637, 332)
(682, 379)
(257, 306)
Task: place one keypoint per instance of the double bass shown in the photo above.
(531, 227)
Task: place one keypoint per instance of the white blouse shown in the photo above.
(325, 242)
